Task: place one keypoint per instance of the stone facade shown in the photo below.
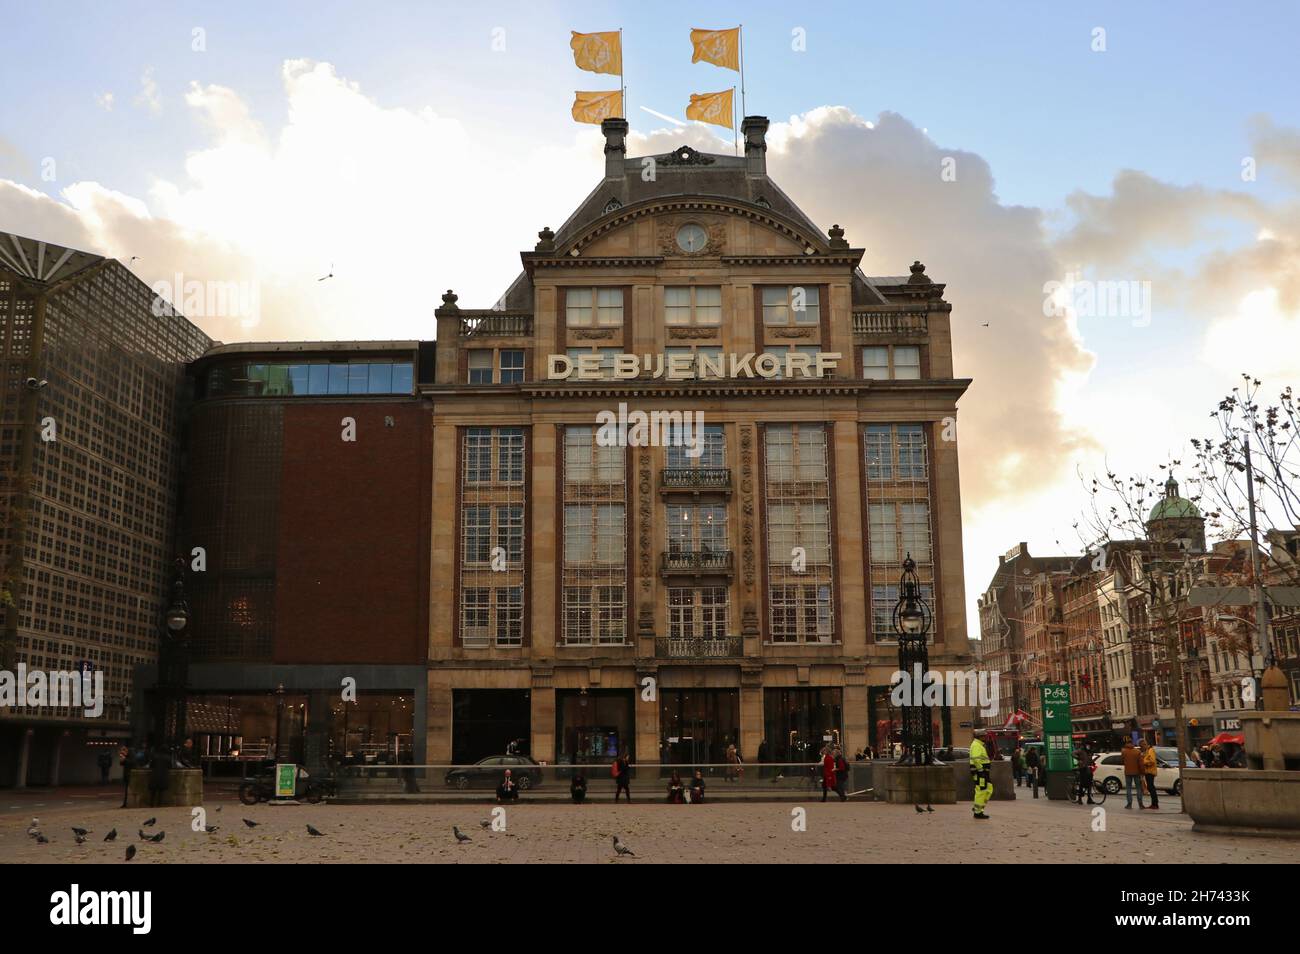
(609, 280)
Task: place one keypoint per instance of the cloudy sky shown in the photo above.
(410, 148)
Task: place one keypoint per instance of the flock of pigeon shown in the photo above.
(34, 832)
(620, 849)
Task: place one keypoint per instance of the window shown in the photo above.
(492, 522)
(593, 533)
(711, 447)
(899, 362)
(791, 305)
(480, 366)
(799, 360)
(883, 600)
(796, 452)
(696, 528)
(512, 367)
(801, 613)
(693, 305)
(697, 612)
(593, 307)
(799, 524)
(896, 452)
(585, 460)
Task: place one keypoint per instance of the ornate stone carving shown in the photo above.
(591, 333)
(667, 235)
(792, 332)
(684, 156)
(644, 520)
(747, 505)
(679, 332)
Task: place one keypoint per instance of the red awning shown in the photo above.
(1223, 737)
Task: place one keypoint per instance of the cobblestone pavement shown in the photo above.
(1020, 831)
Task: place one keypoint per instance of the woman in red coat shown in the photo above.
(828, 772)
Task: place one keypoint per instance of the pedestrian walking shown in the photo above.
(1149, 769)
(841, 773)
(979, 772)
(1083, 766)
(1132, 773)
(622, 771)
(1031, 768)
(828, 772)
(105, 762)
(1018, 765)
(125, 759)
(734, 768)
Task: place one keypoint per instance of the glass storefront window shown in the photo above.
(592, 727)
(799, 722)
(697, 725)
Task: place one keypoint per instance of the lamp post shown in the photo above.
(173, 665)
(912, 619)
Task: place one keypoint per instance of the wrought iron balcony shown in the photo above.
(868, 323)
(695, 480)
(496, 326)
(696, 563)
(697, 647)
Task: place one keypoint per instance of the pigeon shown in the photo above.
(158, 837)
(250, 824)
(143, 836)
(81, 839)
(83, 832)
(484, 823)
(218, 808)
(130, 852)
(41, 839)
(150, 823)
(210, 828)
(919, 809)
(460, 836)
(622, 849)
(930, 809)
(111, 836)
(313, 832)
(34, 828)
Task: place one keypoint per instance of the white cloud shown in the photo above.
(149, 96)
(104, 101)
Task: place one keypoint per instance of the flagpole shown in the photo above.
(735, 143)
(622, 85)
(740, 36)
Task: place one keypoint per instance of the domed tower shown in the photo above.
(1176, 519)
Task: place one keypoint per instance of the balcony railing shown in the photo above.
(885, 323)
(697, 647)
(496, 326)
(696, 563)
(695, 479)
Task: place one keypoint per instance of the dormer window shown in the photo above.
(613, 205)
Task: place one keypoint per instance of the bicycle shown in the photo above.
(1078, 793)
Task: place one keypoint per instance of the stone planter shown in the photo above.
(915, 785)
(184, 787)
(1272, 739)
(1004, 782)
(1242, 801)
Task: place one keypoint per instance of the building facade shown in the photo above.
(92, 411)
(725, 572)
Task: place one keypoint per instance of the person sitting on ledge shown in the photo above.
(676, 790)
(697, 788)
(578, 787)
(507, 791)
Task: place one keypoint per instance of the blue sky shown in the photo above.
(1015, 82)
(405, 145)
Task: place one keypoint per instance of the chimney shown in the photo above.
(615, 131)
(754, 129)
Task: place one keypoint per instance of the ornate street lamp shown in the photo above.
(173, 665)
(912, 620)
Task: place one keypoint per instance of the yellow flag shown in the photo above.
(712, 108)
(598, 106)
(598, 52)
(719, 47)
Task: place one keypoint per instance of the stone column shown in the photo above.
(319, 719)
(647, 716)
(542, 716)
(438, 720)
(857, 730)
(56, 758)
(751, 714)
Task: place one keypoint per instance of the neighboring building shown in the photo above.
(592, 598)
(92, 409)
(1003, 610)
(1044, 638)
(1084, 649)
(307, 490)
(1284, 628)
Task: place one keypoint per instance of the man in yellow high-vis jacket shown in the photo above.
(979, 773)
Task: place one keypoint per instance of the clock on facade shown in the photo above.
(691, 238)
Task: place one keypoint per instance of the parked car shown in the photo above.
(953, 755)
(1110, 774)
(488, 773)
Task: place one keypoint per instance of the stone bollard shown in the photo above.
(184, 787)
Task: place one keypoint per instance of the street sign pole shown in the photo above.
(1058, 738)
